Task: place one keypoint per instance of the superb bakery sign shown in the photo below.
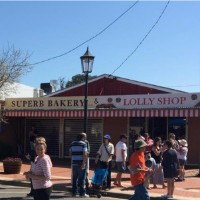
(42, 103)
(179, 100)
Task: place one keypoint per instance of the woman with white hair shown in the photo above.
(182, 152)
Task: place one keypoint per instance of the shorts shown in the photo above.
(119, 167)
(182, 162)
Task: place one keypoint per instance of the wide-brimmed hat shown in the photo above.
(139, 144)
(183, 142)
(106, 136)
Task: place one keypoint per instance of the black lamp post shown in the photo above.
(87, 64)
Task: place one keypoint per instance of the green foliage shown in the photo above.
(77, 79)
(5, 150)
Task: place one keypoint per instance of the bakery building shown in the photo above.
(115, 105)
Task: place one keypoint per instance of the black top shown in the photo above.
(157, 158)
(170, 163)
(32, 138)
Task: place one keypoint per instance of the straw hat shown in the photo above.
(183, 142)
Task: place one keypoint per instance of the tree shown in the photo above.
(61, 82)
(13, 65)
(79, 78)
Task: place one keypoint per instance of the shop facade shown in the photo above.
(115, 106)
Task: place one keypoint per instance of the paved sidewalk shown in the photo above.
(61, 177)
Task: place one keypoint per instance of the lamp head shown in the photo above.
(87, 61)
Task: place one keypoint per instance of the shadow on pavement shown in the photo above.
(14, 198)
(62, 187)
(14, 183)
(62, 190)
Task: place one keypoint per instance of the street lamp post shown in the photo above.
(87, 64)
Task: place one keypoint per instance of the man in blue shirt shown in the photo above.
(78, 151)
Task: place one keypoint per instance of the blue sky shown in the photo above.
(169, 56)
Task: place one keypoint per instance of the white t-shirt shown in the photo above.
(104, 154)
(182, 153)
(120, 146)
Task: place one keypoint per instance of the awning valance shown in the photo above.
(194, 112)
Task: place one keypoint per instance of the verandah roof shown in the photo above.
(95, 113)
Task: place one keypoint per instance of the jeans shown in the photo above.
(141, 193)
(78, 179)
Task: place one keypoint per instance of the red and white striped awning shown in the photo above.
(193, 112)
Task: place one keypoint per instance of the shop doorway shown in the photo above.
(178, 127)
(157, 127)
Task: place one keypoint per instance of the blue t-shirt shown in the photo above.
(77, 148)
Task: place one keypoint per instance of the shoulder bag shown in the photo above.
(113, 163)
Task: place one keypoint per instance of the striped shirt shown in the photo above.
(77, 149)
(42, 166)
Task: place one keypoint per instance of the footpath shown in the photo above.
(61, 178)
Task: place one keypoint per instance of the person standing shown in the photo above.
(87, 164)
(31, 156)
(170, 167)
(120, 157)
(40, 173)
(156, 153)
(182, 152)
(149, 142)
(78, 151)
(138, 170)
(32, 138)
(172, 137)
(151, 164)
(106, 152)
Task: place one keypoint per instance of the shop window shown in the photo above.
(2, 127)
(158, 127)
(96, 129)
(47, 128)
(177, 126)
(137, 121)
(94, 134)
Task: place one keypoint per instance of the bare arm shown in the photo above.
(156, 150)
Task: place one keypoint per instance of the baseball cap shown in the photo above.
(106, 136)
